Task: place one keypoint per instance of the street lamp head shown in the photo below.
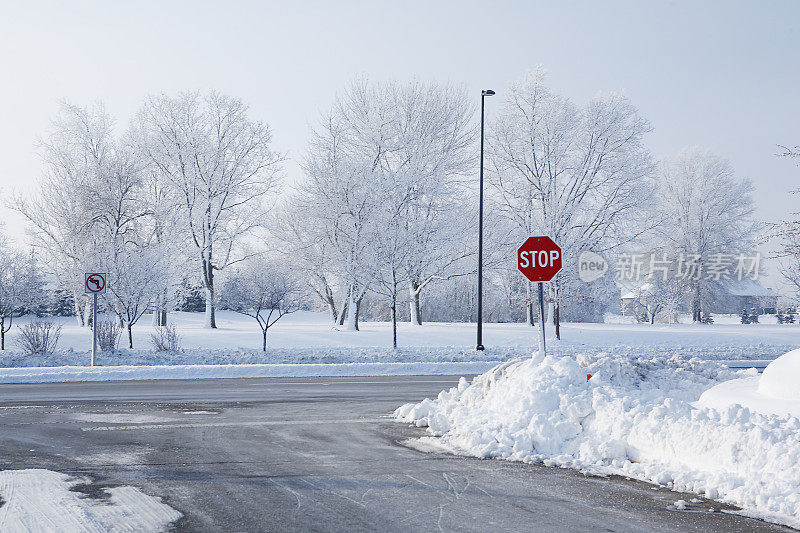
(487, 92)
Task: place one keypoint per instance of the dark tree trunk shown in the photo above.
(343, 315)
(394, 324)
(130, 336)
(2, 333)
(557, 320)
(264, 340)
(358, 311)
(696, 304)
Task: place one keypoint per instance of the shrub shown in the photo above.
(39, 337)
(166, 339)
(108, 333)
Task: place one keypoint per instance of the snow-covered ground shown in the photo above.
(38, 500)
(60, 374)
(635, 416)
(307, 337)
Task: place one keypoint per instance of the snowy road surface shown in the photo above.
(310, 454)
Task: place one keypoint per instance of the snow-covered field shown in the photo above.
(634, 416)
(307, 337)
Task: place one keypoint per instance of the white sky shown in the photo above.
(723, 75)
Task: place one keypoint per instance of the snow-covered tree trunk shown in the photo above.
(332, 311)
(129, 326)
(530, 308)
(210, 318)
(352, 313)
(413, 303)
(550, 321)
(87, 313)
(76, 303)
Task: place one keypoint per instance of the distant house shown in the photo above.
(633, 299)
(732, 297)
(748, 294)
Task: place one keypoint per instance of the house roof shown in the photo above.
(744, 287)
(747, 287)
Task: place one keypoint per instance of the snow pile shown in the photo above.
(775, 392)
(43, 500)
(781, 378)
(634, 417)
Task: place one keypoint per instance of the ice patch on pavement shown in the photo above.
(121, 418)
(427, 445)
(114, 458)
(634, 417)
(41, 501)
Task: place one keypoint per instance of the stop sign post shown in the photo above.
(539, 260)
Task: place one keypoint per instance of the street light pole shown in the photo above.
(480, 346)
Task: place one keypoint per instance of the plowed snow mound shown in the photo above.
(634, 417)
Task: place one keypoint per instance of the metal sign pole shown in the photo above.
(541, 319)
(94, 327)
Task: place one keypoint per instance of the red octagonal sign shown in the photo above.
(539, 258)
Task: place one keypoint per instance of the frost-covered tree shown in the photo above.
(262, 290)
(20, 286)
(788, 233)
(161, 230)
(706, 210)
(397, 152)
(220, 166)
(580, 174)
(137, 275)
(304, 244)
(433, 154)
(79, 159)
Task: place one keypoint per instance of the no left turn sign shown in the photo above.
(95, 283)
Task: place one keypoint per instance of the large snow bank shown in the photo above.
(634, 417)
(42, 500)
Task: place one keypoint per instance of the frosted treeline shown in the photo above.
(383, 220)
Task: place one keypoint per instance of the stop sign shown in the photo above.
(539, 258)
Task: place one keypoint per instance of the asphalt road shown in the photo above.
(312, 454)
